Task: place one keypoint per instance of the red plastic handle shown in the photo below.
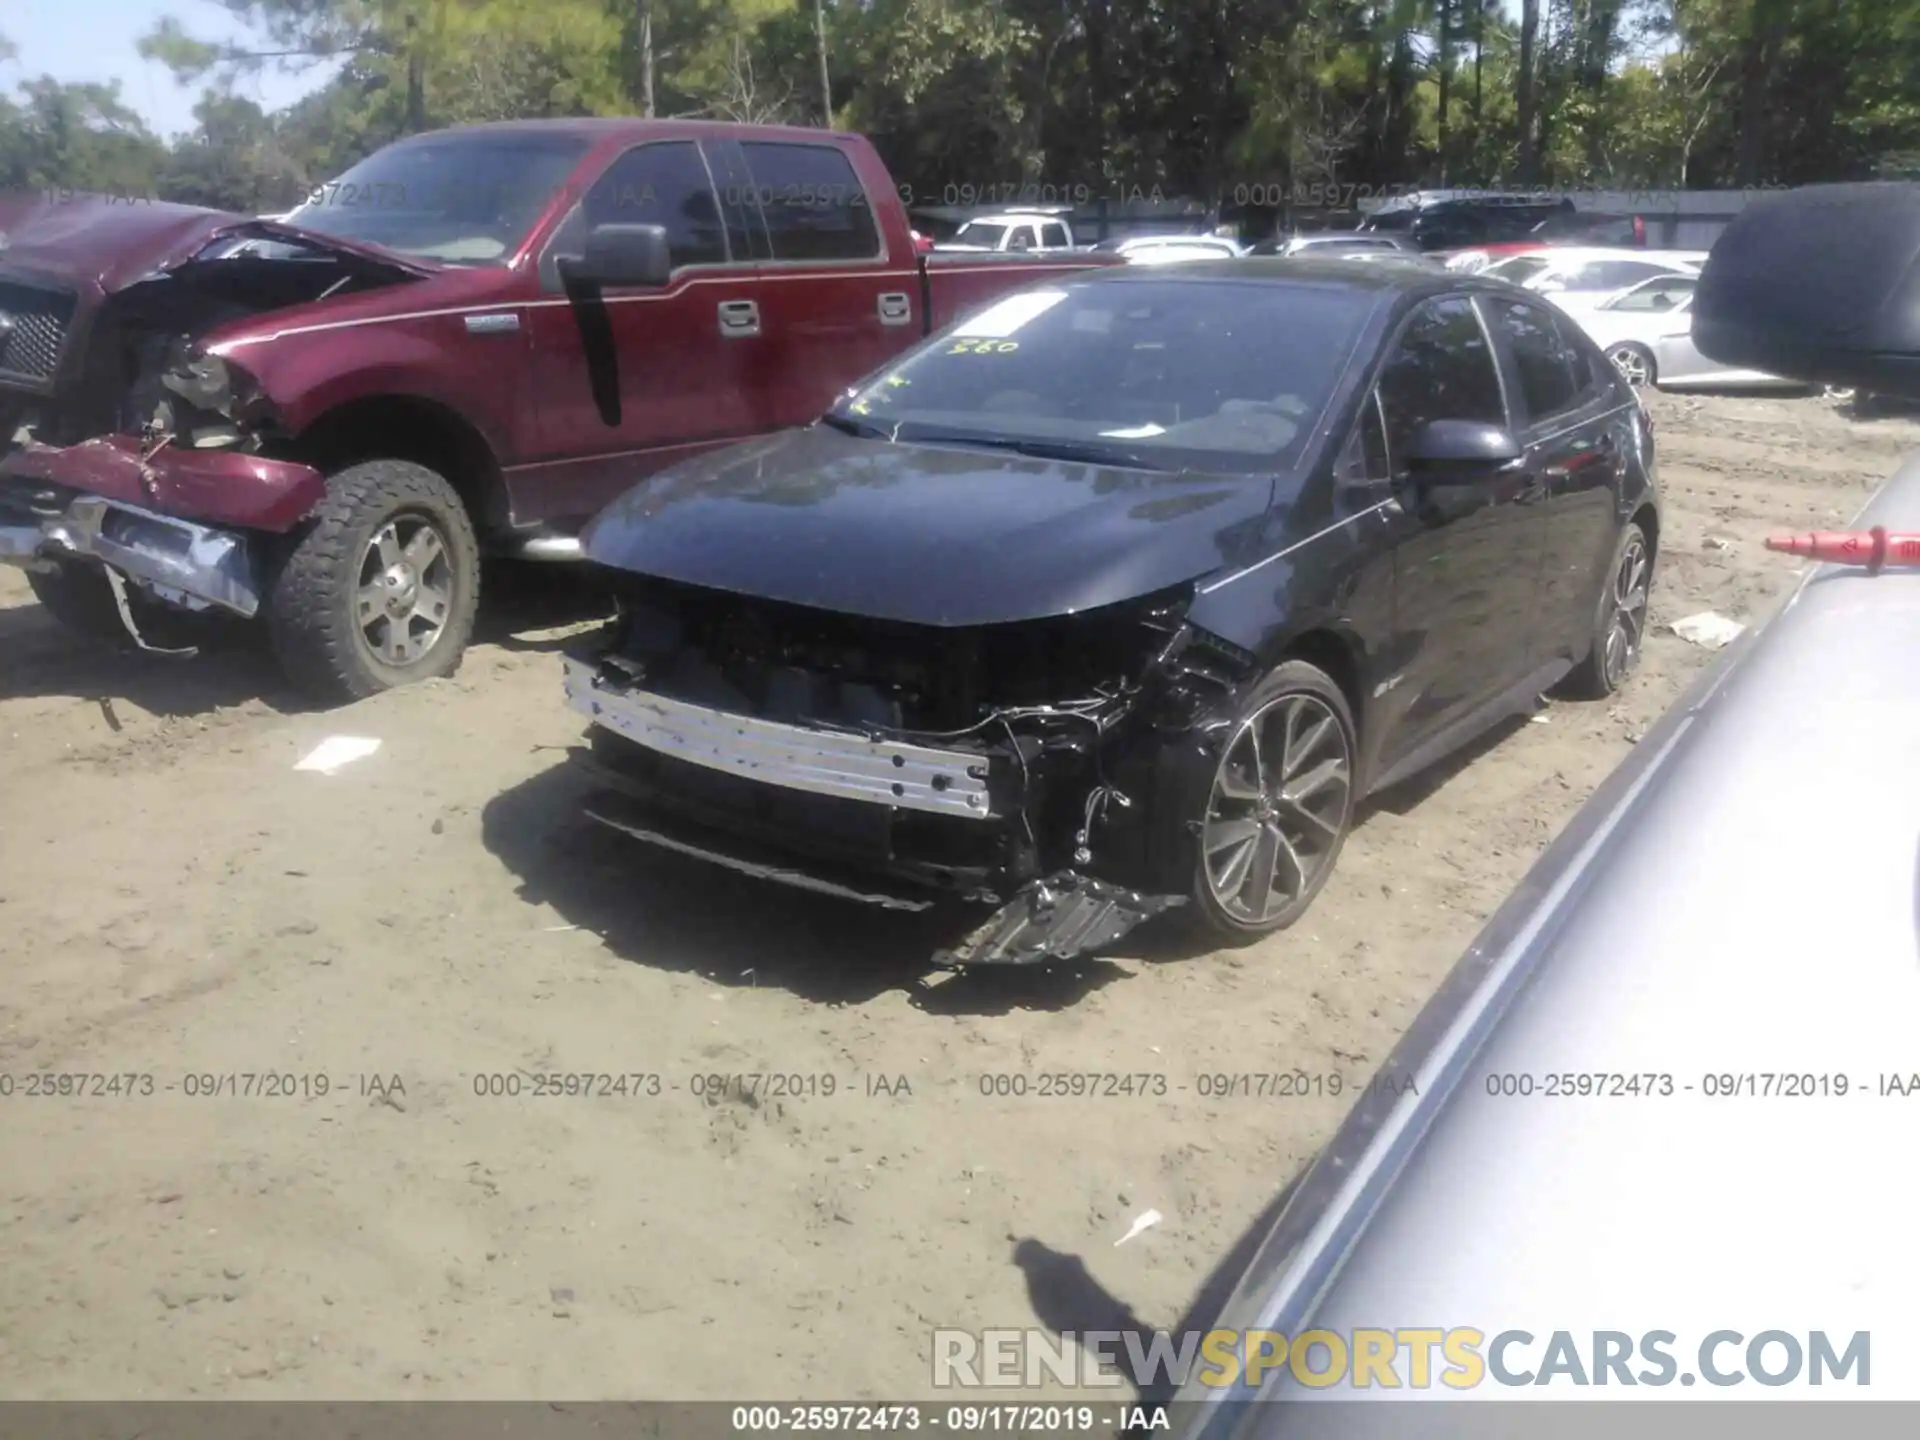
(1875, 548)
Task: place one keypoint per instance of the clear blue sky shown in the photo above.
(94, 40)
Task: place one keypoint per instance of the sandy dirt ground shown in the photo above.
(179, 906)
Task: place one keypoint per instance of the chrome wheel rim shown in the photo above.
(405, 592)
(1631, 364)
(1627, 602)
(1278, 808)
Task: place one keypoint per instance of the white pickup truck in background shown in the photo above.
(1023, 232)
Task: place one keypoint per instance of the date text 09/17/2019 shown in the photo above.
(1712, 1085)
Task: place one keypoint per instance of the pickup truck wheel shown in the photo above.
(1279, 807)
(379, 589)
(1619, 623)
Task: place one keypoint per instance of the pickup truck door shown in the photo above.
(835, 305)
(630, 380)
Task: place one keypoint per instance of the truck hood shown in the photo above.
(115, 243)
(925, 534)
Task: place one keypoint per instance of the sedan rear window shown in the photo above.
(1208, 374)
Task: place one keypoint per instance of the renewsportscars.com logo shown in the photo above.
(1417, 1358)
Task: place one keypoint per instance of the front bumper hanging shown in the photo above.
(192, 565)
(1058, 918)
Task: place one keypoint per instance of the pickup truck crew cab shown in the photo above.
(473, 340)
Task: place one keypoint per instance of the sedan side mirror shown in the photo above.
(1460, 452)
(622, 255)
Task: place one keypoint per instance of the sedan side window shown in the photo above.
(1548, 384)
(1658, 295)
(1441, 368)
(1365, 458)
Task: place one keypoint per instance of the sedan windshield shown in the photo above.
(1201, 374)
(466, 199)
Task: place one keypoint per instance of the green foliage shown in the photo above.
(981, 97)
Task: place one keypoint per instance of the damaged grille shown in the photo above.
(33, 329)
(788, 662)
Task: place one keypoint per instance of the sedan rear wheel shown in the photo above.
(1620, 624)
(1279, 806)
(1634, 362)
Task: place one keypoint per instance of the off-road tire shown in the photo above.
(310, 602)
(1592, 679)
(1293, 678)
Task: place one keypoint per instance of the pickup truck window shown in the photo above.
(984, 233)
(468, 199)
(1054, 237)
(1225, 378)
(813, 202)
(664, 183)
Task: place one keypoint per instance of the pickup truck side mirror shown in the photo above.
(622, 255)
(1460, 452)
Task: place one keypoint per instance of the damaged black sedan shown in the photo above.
(1118, 597)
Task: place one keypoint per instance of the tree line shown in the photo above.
(972, 98)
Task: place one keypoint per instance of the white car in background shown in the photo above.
(1646, 330)
(1576, 276)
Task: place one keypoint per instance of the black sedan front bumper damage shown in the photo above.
(861, 784)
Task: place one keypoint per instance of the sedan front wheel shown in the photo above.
(1279, 805)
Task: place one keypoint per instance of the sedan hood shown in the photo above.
(115, 243)
(925, 534)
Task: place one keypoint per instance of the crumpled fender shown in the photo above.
(214, 487)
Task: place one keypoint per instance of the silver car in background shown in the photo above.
(1646, 330)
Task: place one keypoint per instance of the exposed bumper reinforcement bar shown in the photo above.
(824, 762)
(186, 563)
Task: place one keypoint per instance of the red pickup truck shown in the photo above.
(469, 343)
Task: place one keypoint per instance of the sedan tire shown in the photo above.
(1634, 362)
(1619, 622)
(1279, 805)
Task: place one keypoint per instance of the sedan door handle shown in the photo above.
(739, 319)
